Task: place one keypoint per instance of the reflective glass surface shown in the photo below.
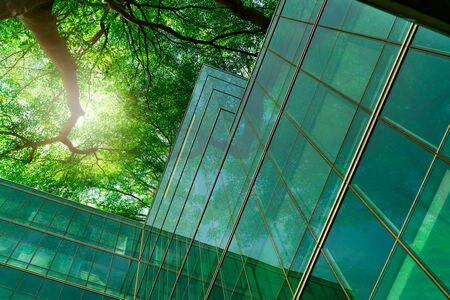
(273, 177)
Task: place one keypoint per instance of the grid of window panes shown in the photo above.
(213, 91)
(395, 214)
(319, 77)
(16, 284)
(193, 165)
(61, 244)
(250, 184)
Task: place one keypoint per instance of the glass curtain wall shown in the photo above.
(336, 175)
(324, 176)
(51, 247)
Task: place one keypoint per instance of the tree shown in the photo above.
(137, 63)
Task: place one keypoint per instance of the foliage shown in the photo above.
(137, 64)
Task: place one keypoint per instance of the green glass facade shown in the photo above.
(335, 169)
(324, 176)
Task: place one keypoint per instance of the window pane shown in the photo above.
(390, 173)
(379, 76)
(325, 202)
(403, 279)
(276, 86)
(302, 93)
(322, 284)
(283, 142)
(428, 39)
(328, 120)
(305, 175)
(360, 18)
(306, 10)
(285, 224)
(351, 141)
(420, 104)
(358, 253)
(351, 64)
(46, 251)
(289, 39)
(334, 13)
(428, 227)
(319, 51)
(45, 215)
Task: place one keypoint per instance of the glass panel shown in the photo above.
(428, 39)
(399, 30)
(305, 175)
(10, 236)
(118, 273)
(319, 51)
(283, 142)
(306, 10)
(334, 13)
(46, 251)
(301, 259)
(81, 265)
(420, 104)
(233, 276)
(50, 289)
(445, 150)
(325, 202)
(328, 120)
(248, 232)
(12, 203)
(390, 174)
(235, 184)
(27, 211)
(202, 183)
(71, 292)
(265, 184)
(322, 284)
(360, 18)
(245, 151)
(260, 112)
(99, 272)
(26, 247)
(351, 141)
(109, 234)
(300, 97)
(29, 284)
(265, 281)
(289, 39)
(45, 215)
(379, 75)
(285, 225)
(351, 64)
(403, 279)
(276, 86)
(215, 223)
(63, 259)
(428, 227)
(62, 218)
(357, 253)
(78, 224)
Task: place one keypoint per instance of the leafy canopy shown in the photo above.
(137, 62)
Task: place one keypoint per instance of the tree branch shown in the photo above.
(156, 26)
(237, 8)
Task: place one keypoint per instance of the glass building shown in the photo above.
(323, 176)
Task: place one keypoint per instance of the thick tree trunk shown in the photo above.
(42, 24)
